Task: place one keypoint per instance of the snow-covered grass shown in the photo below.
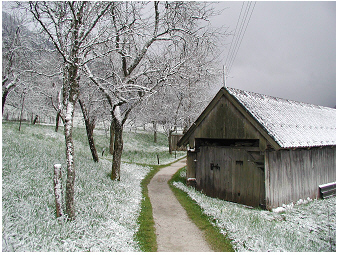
(306, 226)
(106, 211)
(142, 149)
(139, 147)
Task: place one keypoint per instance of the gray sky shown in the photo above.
(288, 50)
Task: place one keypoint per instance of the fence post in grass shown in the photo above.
(158, 159)
(58, 190)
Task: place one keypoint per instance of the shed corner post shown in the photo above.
(191, 160)
(267, 180)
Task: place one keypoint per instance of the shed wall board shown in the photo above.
(234, 176)
(191, 164)
(174, 138)
(291, 175)
(224, 121)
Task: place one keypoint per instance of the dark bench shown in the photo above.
(327, 190)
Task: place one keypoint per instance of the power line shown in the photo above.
(239, 34)
(232, 42)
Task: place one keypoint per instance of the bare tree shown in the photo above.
(72, 28)
(137, 66)
(16, 53)
(129, 54)
(187, 91)
(90, 123)
(93, 108)
(25, 55)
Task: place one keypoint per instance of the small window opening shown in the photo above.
(239, 143)
(239, 162)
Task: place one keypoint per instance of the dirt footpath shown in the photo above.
(174, 230)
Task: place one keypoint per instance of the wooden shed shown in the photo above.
(260, 150)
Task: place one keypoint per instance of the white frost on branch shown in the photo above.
(118, 114)
(12, 83)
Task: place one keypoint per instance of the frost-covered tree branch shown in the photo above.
(135, 64)
(69, 25)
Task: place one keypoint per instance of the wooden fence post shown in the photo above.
(58, 190)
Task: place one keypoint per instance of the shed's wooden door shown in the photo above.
(230, 174)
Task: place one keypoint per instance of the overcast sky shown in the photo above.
(288, 50)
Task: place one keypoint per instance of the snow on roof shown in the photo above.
(290, 123)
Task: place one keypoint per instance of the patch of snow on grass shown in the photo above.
(279, 210)
(307, 226)
(106, 211)
(291, 205)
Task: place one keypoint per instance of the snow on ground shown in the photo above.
(106, 211)
(143, 150)
(106, 219)
(303, 227)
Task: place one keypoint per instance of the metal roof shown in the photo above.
(290, 123)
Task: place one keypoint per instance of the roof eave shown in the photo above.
(308, 146)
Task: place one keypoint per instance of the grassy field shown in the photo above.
(117, 216)
(140, 148)
(107, 212)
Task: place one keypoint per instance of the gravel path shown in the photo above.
(174, 230)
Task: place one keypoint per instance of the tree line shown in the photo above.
(152, 62)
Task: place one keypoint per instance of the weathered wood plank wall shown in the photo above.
(294, 174)
(174, 140)
(226, 122)
(229, 174)
(191, 165)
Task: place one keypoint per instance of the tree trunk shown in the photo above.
(154, 131)
(22, 109)
(6, 90)
(169, 139)
(57, 121)
(4, 96)
(118, 149)
(70, 95)
(68, 126)
(89, 131)
(35, 119)
(112, 136)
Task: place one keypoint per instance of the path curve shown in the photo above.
(174, 230)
